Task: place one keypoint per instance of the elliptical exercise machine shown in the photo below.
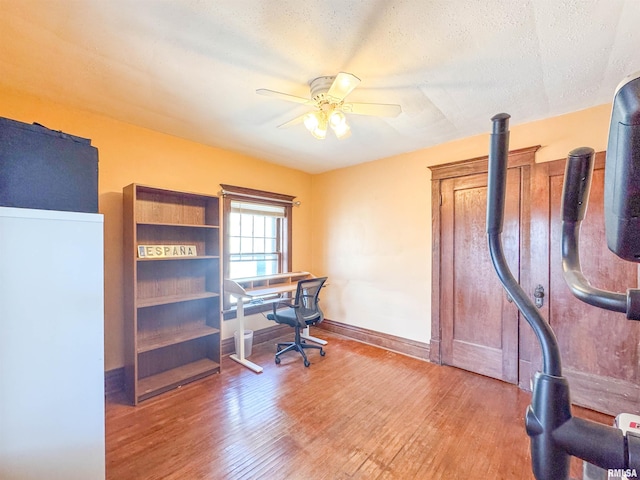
(554, 433)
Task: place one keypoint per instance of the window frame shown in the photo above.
(249, 195)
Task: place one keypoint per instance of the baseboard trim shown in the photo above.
(401, 345)
(114, 381)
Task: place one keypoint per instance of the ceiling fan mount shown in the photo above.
(328, 97)
(320, 86)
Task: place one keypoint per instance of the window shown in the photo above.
(254, 239)
(257, 230)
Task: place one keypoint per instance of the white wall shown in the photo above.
(372, 223)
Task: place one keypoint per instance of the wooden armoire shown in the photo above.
(475, 326)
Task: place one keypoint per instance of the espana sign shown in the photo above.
(166, 251)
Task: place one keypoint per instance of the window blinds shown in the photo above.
(262, 209)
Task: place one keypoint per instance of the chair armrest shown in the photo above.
(283, 303)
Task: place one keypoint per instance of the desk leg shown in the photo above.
(306, 336)
(239, 356)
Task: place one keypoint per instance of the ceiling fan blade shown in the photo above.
(376, 109)
(295, 121)
(343, 85)
(282, 96)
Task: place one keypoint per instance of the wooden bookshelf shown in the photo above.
(172, 304)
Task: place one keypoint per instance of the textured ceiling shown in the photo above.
(190, 68)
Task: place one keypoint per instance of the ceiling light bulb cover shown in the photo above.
(311, 121)
(337, 119)
(342, 131)
(320, 133)
(338, 123)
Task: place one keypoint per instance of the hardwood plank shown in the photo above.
(360, 412)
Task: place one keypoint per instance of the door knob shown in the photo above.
(538, 295)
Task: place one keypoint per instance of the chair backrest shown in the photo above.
(307, 300)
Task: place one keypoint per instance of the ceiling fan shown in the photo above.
(327, 96)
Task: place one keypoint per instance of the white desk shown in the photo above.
(257, 287)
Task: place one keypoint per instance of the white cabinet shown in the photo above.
(51, 345)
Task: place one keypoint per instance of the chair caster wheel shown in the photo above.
(277, 360)
(307, 363)
(322, 353)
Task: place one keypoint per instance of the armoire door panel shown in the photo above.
(599, 348)
(479, 326)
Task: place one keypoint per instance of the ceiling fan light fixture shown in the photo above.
(342, 131)
(311, 121)
(327, 95)
(338, 123)
(337, 119)
(319, 133)
(316, 123)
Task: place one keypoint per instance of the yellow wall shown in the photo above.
(373, 223)
(367, 227)
(130, 154)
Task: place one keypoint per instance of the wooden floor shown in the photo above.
(360, 412)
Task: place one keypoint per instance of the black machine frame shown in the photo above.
(555, 434)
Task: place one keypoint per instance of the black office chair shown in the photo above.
(304, 312)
